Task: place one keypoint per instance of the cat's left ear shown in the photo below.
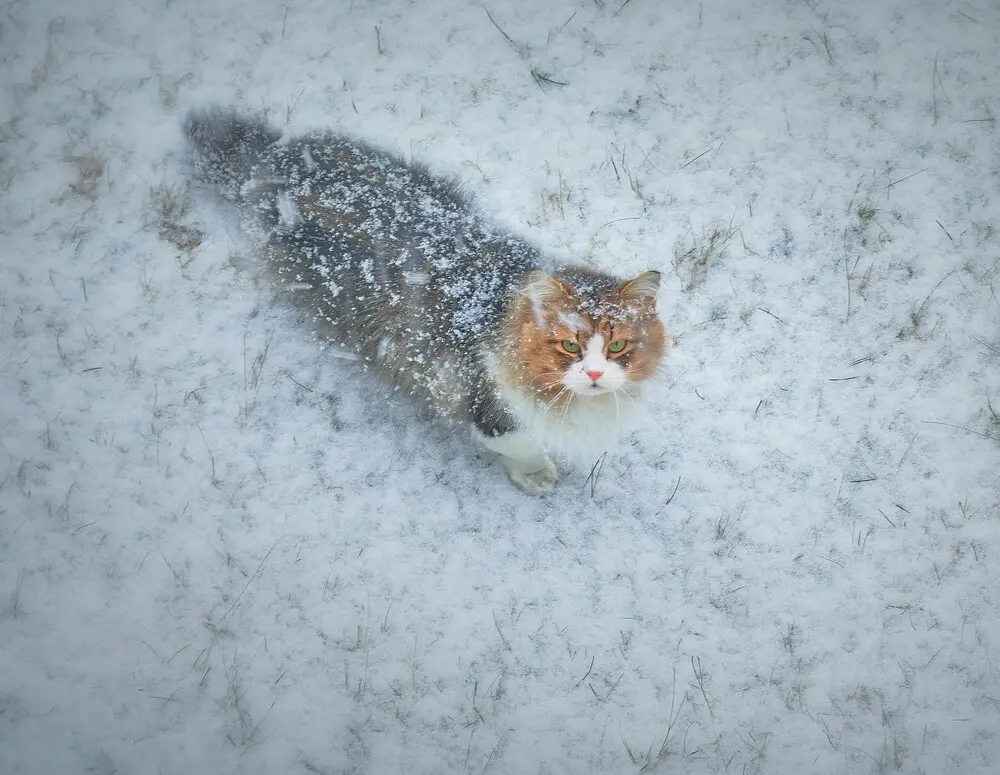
(642, 289)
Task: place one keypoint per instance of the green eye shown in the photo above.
(571, 347)
(617, 345)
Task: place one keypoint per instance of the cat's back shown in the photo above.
(388, 259)
(368, 194)
(364, 220)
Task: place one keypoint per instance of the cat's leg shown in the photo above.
(527, 464)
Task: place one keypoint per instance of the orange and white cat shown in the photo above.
(398, 266)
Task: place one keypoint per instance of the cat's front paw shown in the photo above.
(537, 482)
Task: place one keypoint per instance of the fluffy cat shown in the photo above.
(397, 266)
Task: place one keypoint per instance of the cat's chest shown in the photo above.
(581, 430)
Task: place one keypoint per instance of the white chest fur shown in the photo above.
(580, 430)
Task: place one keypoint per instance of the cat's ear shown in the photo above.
(541, 286)
(642, 289)
(541, 289)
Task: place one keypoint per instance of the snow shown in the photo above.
(222, 549)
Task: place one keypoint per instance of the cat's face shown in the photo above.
(579, 335)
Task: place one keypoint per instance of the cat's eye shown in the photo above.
(617, 345)
(573, 348)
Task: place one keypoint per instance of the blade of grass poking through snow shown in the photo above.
(520, 48)
(543, 79)
(595, 474)
(253, 576)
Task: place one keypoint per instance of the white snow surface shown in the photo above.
(223, 549)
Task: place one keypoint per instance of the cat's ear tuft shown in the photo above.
(642, 289)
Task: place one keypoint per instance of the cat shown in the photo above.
(399, 267)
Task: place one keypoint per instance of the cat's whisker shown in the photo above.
(630, 390)
(546, 387)
(549, 405)
(535, 379)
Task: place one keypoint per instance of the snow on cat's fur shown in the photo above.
(396, 265)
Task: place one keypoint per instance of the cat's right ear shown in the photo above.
(540, 286)
(541, 289)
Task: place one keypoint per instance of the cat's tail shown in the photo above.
(228, 146)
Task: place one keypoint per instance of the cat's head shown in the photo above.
(577, 335)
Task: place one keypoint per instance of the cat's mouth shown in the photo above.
(592, 390)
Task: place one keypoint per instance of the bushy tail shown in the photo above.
(227, 146)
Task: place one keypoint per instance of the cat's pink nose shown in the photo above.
(595, 374)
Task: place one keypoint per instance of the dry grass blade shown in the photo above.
(90, 171)
(595, 474)
(254, 575)
(169, 206)
(692, 262)
(15, 597)
(542, 79)
(518, 47)
(672, 494)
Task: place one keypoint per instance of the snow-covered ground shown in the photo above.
(223, 550)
